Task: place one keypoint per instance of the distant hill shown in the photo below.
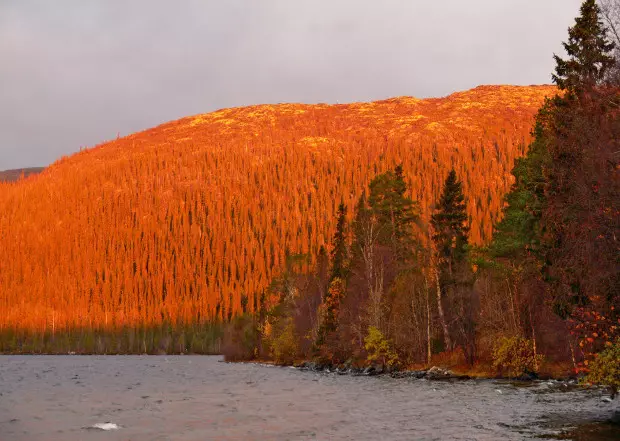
(14, 175)
(181, 221)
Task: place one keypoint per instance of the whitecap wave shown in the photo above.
(106, 426)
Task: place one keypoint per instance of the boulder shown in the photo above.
(437, 373)
(370, 370)
(307, 366)
(355, 371)
(342, 370)
(527, 376)
(417, 374)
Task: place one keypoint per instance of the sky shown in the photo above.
(74, 74)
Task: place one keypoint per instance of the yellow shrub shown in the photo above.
(516, 356)
(284, 344)
(379, 348)
(605, 369)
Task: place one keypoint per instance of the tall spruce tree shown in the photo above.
(518, 235)
(589, 52)
(547, 206)
(394, 211)
(362, 217)
(450, 236)
(328, 312)
(572, 135)
(339, 246)
(451, 231)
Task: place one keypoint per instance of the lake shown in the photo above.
(187, 398)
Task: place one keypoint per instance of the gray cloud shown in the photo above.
(76, 73)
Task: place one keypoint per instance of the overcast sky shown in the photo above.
(77, 73)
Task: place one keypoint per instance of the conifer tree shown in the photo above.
(328, 312)
(572, 136)
(588, 49)
(450, 236)
(394, 211)
(339, 251)
(360, 222)
(450, 227)
(518, 234)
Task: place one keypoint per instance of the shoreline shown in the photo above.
(434, 373)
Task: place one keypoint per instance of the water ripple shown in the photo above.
(193, 398)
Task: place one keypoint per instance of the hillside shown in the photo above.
(179, 221)
(14, 175)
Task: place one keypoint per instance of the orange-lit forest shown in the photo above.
(180, 222)
(396, 288)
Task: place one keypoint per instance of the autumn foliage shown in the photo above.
(189, 222)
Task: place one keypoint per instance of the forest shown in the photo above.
(396, 289)
(183, 222)
(456, 230)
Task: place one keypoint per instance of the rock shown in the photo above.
(356, 371)
(408, 374)
(370, 370)
(527, 376)
(437, 373)
(418, 374)
(313, 366)
(342, 370)
(615, 418)
(307, 366)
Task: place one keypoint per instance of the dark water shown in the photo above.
(199, 398)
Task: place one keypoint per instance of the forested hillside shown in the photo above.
(394, 289)
(185, 221)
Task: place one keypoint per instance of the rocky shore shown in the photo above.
(434, 373)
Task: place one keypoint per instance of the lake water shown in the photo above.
(62, 398)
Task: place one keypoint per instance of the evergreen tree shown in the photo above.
(588, 49)
(518, 234)
(360, 223)
(578, 134)
(339, 251)
(451, 234)
(394, 211)
(328, 313)
(451, 231)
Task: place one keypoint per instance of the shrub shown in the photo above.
(605, 369)
(240, 339)
(283, 343)
(516, 356)
(379, 348)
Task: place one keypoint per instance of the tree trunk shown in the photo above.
(442, 319)
(428, 323)
(515, 324)
(533, 341)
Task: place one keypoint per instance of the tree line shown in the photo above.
(396, 289)
(189, 222)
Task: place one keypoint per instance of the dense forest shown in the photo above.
(396, 288)
(462, 230)
(184, 222)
